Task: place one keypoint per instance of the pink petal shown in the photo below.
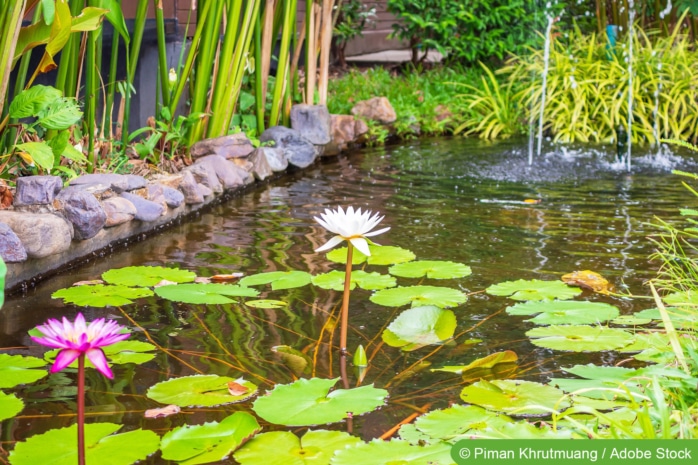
(64, 358)
(98, 359)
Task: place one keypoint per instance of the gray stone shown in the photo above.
(276, 158)
(42, 234)
(118, 210)
(37, 190)
(83, 210)
(205, 191)
(100, 191)
(312, 121)
(146, 210)
(173, 197)
(205, 174)
(360, 131)
(154, 193)
(117, 182)
(298, 150)
(230, 146)
(376, 109)
(190, 189)
(261, 168)
(11, 248)
(343, 134)
(135, 182)
(170, 180)
(229, 175)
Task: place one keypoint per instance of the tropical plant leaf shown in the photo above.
(555, 312)
(380, 255)
(101, 295)
(419, 296)
(431, 269)
(147, 276)
(370, 281)
(580, 338)
(487, 362)
(515, 397)
(18, 369)
(210, 294)
(308, 402)
(266, 303)
(451, 424)
(278, 279)
(199, 391)
(393, 452)
(420, 326)
(38, 153)
(33, 101)
(534, 289)
(210, 442)
(298, 362)
(60, 115)
(10, 406)
(285, 448)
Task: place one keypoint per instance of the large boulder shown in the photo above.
(343, 134)
(119, 211)
(205, 173)
(298, 150)
(190, 189)
(276, 158)
(229, 175)
(116, 182)
(11, 248)
(312, 121)
(231, 146)
(37, 190)
(146, 210)
(42, 234)
(83, 210)
(261, 169)
(376, 109)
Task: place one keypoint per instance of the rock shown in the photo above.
(173, 197)
(135, 182)
(260, 165)
(229, 175)
(83, 211)
(360, 131)
(154, 193)
(443, 113)
(276, 158)
(172, 181)
(243, 163)
(298, 150)
(42, 234)
(118, 210)
(11, 248)
(205, 174)
(37, 190)
(205, 191)
(376, 109)
(343, 134)
(146, 210)
(190, 189)
(6, 195)
(231, 146)
(117, 182)
(313, 122)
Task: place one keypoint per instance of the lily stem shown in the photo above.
(81, 409)
(345, 300)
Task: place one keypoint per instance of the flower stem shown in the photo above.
(81, 409)
(345, 301)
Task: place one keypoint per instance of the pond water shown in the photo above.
(458, 200)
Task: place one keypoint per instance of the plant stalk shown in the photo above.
(345, 301)
(81, 409)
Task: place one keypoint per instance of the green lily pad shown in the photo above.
(284, 448)
(688, 298)
(555, 312)
(580, 338)
(298, 362)
(278, 279)
(591, 371)
(420, 326)
(266, 303)
(522, 430)
(534, 289)
(395, 452)
(10, 406)
(118, 353)
(308, 402)
(644, 341)
(419, 296)
(631, 320)
(487, 362)
(370, 281)
(147, 276)
(210, 294)
(101, 295)
(17, 369)
(210, 442)
(681, 317)
(380, 255)
(199, 391)
(60, 446)
(433, 269)
(452, 423)
(408, 432)
(515, 397)
(598, 389)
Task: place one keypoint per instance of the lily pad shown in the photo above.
(210, 442)
(431, 269)
(681, 317)
(452, 423)
(580, 338)
(266, 304)
(380, 255)
(17, 369)
(688, 298)
(298, 362)
(199, 391)
(521, 430)
(555, 312)
(370, 281)
(419, 296)
(487, 362)
(10, 406)
(309, 402)
(515, 397)
(278, 279)
(534, 289)
(631, 320)
(59, 446)
(101, 295)
(119, 353)
(210, 294)
(284, 448)
(420, 326)
(147, 276)
(395, 452)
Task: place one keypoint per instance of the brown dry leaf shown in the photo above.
(165, 282)
(588, 280)
(88, 283)
(236, 389)
(162, 412)
(224, 278)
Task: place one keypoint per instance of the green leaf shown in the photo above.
(285, 448)
(308, 402)
(580, 338)
(71, 153)
(370, 281)
(534, 289)
(38, 152)
(88, 20)
(60, 446)
(266, 303)
(17, 369)
(210, 442)
(419, 296)
(33, 101)
(147, 276)
(395, 452)
(486, 362)
(297, 361)
(430, 269)
(199, 391)
(380, 255)
(278, 279)
(523, 430)
(100, 295)
(10, 406)
(115, 16)
(553, 312)
(630, 320)
(451, 424)
(420, 326)
(61, 114)
(515, 397)
(204, 293)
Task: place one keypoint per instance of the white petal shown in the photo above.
(361, 245)
(329, 244)
(375, 233)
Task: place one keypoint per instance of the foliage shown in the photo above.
(352, 18)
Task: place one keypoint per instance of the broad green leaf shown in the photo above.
(33, 101)
(370, 281)
(419, 296)
(266, 303)
(17, 369)
(644, 341)
(204, 293)
(71, 153)
(100, 295)
(380, 255)
(522, 430)
(554, 312)
(515, 397)
(431, 269)
(408, 432)
(60, 115)
(210, 442)
(395, 452)
(285, 448)
(681, 317)
(120, 353)
(60, 446)
(591, 371)
(420, 326)
(147, 276)
(59, 142)
(10, 406)
(48, 10)
(115, 16)
(534, 289)
(689, 298)
(486, 362)
(298, 362)
(598, 389)
(38, 152)
(580, 338)
(88, 20)
(278, 279)
(199, 391)
(309, 402)
(631, 320)
(452, 423)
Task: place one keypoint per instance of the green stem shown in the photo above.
(282, 71)
(111, 87)
(162, 54)
(81, 409)
(91, 86)
(260, 91)
(345, 301)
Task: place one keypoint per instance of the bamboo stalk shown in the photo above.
(91, 85)
(325, 44)
(267, 40)
(10, 30)
(281, 73)
(162, 53)
(111, 86)
(260, 91)
(310, 56)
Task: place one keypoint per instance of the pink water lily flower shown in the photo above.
(76, 339)
(352, 225)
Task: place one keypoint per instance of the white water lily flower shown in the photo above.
(353, 226)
